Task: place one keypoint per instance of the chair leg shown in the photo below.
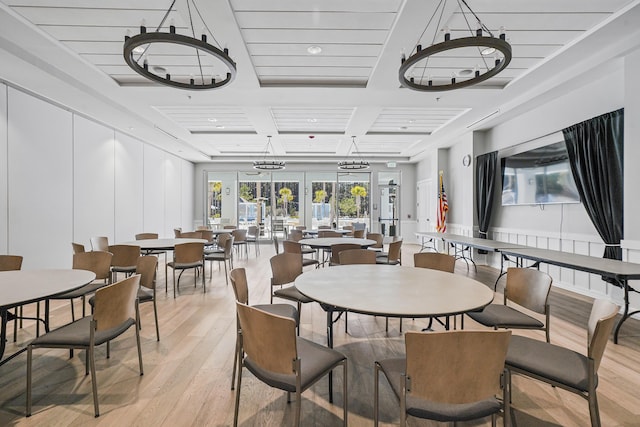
(226, 275)
(94, 384)
(174, 282)
(345, 409)
(29, 360)
(375, 394)
(235, 362)
(138, 341)
(594, 412)
(298, 407)
(237, 407)
(155, 313)
(299, 314)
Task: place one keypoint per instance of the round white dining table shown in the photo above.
(392, 291)
(21, 287)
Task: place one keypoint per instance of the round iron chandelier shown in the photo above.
(269, 164)
(207, 60)
(489, 55)
(353, 164)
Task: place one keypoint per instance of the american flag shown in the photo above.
(443, 208)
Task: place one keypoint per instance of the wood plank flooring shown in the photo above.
(188, 372)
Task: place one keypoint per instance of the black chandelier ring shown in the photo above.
(498, 44)
(145, 38)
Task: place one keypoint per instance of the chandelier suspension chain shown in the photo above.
(193, 32)
(484, 60)
(433, 39)
(164, 18)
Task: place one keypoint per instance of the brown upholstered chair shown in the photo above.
(526, 287)
(177, 233)
(566, 368)
(146, 268)
(222, 254)
(238, 278)
(443, 379)
(379, 238)
(99, 263)
(285, 268)
(358, 234)
(337, 248)
(328, 233)
(77, 248)
(229, 227)
(13, 263)
(357, 256)
(291, 247)
(191, 235)
(293, 365)
(100, 243)
(187, 256)
(394, 256)
(116, 310)
(435, 261)
(124, 260)
(324, 227)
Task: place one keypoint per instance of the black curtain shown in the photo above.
(595, 149)
(485, 183)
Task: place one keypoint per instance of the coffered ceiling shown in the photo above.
(311, 74)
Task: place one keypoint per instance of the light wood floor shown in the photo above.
(187, 373)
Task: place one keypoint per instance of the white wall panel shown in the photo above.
(173, 195)
(3, 170)
(93, 181)
(188, 197)
(40, 182)
(153, 175)
(129, 180)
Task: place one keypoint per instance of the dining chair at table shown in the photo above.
(328, 233)
(289, 246)
(124, 260)
(177, 233)
(151, 236)
(394, 256)
(565, 368)
(99, 243)
(293, 364)
(188, 256)
(238, 278)
(339, 247)
(285, 268)
(77, 247)
(146, 268)
(99, 263)
(442, 378)
(435, 261)
(358, 234)
(379, 239)
(222, 254)
(253, 236)
(191, 235)
(357, 256)
(324, 227)
(526, 287)
(115, 311)
(240, 240)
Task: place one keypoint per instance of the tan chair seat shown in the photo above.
(75, 333)
(86, 289)
(316, 358)
(502, 316)
(551, 361)
(292, 293)
(184, 265)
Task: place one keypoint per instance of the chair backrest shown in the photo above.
(285, 268)
(357, 256)
(238, 278)
(239, 235)
(115, 304)
(378, 238)
(276, 244)
(202, 228)
(301, 227)
(291, 247)
(295, 235)
(10, 262)
(435, 261)
(528, 288)
(188, 252)
(124, 255)
(99, 243)
(146, 236)
(268, 340)
(252, 231)
(98, 262)
(206, 235)
(358, 234)
(191, 235)
(328, 233)
(339, 247)
(229, 227)
(77, 247)
(228, 246)
(599, 327)
(177, 232)
(146, 268)
(394, 250)
(445, 366)
(324, 227)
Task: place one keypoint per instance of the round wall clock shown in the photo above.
(466, 160)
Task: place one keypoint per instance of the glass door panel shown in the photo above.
(220, 206)
(254, 200)
(389, 203)
(321, 198)
(288, 207)
(353, 199)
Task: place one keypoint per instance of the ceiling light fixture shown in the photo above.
(314, 50)
(355, 164)
(138, 50)
(266, 164)
(432, 79)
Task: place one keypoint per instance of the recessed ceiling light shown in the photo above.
(314, 49)
(465, 72)
(312, 120)
(212, 120)
(411, 121)
(488, 51)
(160, 70)
(219, 127)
